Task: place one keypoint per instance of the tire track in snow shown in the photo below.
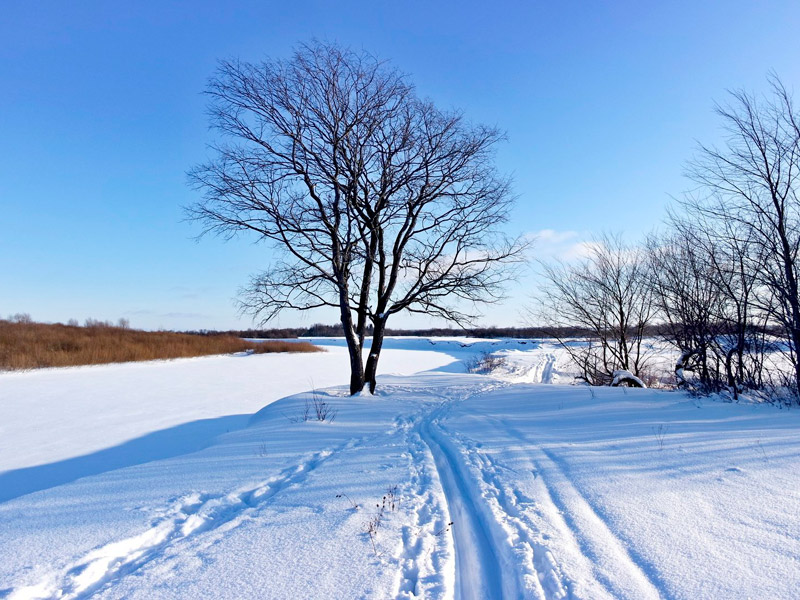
(195, 514)
(481, 570)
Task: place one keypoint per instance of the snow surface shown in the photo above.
(553, 491)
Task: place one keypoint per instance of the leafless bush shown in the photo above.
(323, 410)
(485, 363)
(317, 409)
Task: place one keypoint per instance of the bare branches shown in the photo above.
(379, 202)
(607, 297)
(749, 199)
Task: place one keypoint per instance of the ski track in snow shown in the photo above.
(619, 571)
(498, 552)
(542, 576)
(424, 555)
(547, 370)
(479, 573)
(542, 371)
(483, 567)
(193, 515)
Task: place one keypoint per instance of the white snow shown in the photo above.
(196, 479)
(623, 375)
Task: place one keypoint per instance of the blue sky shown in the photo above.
(101, 115)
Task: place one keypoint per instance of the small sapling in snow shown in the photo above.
(262, 450)
(660, 433)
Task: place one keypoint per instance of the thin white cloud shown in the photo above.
(560, 245)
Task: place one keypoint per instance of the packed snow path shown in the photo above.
(444, 485)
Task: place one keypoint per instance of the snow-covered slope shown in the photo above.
(60, 424)
(552, 491)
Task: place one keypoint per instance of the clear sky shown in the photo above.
(101, 115)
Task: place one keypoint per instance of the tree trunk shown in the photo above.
(371, 371)
(792, 292)
(354, 347)
(356, 371)
(732, 382)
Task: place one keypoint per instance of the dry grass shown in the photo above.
(269, 346)
(36, 345)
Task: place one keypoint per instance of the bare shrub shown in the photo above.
(317, 409)
(323, 410)
(485, 363)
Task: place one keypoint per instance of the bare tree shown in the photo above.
(690, 302)
(752, 183)
(706, 287)
(606, 299)
(378, 202)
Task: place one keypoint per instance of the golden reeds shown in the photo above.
(36, 345)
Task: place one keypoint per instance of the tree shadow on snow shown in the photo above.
(165, 443)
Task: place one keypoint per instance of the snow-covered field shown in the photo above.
(197, 479)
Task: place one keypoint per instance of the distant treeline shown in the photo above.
(320, 330)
